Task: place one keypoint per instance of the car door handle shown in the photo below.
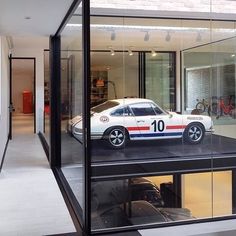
(140, 121)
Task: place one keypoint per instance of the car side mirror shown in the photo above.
(170, 115)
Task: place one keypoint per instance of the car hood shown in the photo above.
(175, 214)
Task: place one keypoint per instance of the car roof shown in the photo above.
(128, 101)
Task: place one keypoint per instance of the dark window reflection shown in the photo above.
(124, 111)
(142, 109)
(133, 201)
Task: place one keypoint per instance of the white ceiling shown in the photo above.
(46, 16)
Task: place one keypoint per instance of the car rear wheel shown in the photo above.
(116, 137)
(194, 133)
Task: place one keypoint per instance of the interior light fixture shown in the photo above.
(27, 18)
(233, 55)
(146, 36)
(130, 52)
(168, 37)
(148, 28)
(199, 37)
(153, 52)
(112, 51)
(113, 35)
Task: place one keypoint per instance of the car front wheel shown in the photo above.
(116, 137)
(194, 133)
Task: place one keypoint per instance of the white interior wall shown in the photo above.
(21, 81)
(4, 94)
(126, 82)
(38, 53)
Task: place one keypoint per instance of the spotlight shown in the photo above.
(233, 55)
(146, 36)
(130, 52)
(112, 52)
(168, 37)
(199, 37)
(113, 35)
(153, 53)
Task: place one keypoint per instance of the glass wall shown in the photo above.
(162, 117)
(209, 89)
(143, 134)
(72, 140)
(160, 74)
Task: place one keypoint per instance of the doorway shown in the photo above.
(22, 95)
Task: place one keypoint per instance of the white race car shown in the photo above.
(120, 120)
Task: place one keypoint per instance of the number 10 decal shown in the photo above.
(158, 126)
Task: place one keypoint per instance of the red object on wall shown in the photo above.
(27, 102)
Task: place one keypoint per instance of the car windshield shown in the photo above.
(104, 106)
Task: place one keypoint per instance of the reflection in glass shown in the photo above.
(160, 79)
(72, 149)
(135, 201)
(133, 58)
(209, 90)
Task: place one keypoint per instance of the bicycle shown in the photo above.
(202, 106)
(226, 109)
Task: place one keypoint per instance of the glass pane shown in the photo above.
(208, 188)
(160, 74)
(72, 143)
(159, 89)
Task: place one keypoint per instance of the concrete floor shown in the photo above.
(30, 200)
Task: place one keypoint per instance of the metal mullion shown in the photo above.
(86, 113)
(55, 102)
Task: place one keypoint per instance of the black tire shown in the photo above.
(194, 133)
(200, 107)
(116, 137)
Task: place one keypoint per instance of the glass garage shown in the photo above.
(144, 120)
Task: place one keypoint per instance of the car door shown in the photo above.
(152, 122)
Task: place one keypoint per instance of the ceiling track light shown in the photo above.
(113, 35)
(146, 36)
(112, 52)
(153, 52)
(168, 37)
(130, 51)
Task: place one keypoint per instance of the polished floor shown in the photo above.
(30, 201)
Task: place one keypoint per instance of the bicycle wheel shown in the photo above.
(201, 107)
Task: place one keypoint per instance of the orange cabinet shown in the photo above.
(27, 102)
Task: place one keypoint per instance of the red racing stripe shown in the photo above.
(175, 126)
(138, 128)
